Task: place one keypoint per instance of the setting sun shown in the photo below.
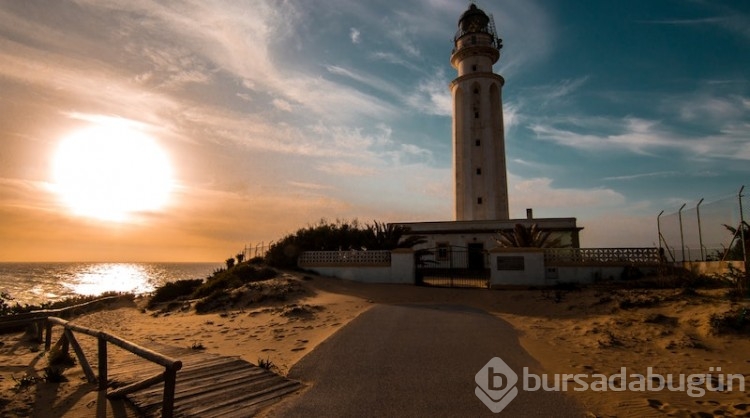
(110, 172)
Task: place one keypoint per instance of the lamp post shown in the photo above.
(700, 233)
(682, 236)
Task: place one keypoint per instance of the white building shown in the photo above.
(481, 185)
(480, 175)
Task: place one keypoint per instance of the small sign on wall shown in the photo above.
(510, 263)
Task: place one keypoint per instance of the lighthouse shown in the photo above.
(481, 180)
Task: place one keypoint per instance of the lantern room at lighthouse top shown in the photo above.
(476, 35)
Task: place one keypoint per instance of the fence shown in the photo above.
(44, 320)
(602, 256)
(256, 250)
(345, 258)
(697, 231)
(169, 376)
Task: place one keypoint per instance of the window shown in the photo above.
(477, 142)
(476, 90)
(476, 115)
(479, 171)
(474, 68)
(473, 40)
(479, 201)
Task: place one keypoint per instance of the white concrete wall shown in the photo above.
(583, 274)
(533, 273)
(401, 270)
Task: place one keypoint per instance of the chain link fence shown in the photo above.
(704, 230)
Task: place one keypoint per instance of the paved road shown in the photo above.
(415, 360)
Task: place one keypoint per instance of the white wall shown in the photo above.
(532, 274)
(400, 271)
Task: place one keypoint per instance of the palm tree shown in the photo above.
(734, 252)
(384, 236)
(527, 237)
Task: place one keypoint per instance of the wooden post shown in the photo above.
(87, 370)
(48, 337)
(102, 363)
(170, 381)
(39, 330)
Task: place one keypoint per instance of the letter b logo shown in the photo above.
(496, 384)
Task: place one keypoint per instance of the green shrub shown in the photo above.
(732, 321)
(339, 235)
(173, 290)
(256, 261)
(234, 278)
(58, 357)
(54, 375)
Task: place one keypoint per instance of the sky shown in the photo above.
(272, 115)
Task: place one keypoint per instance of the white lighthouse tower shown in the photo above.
(480, 184)
(480, 181)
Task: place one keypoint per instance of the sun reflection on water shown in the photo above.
(96, 279)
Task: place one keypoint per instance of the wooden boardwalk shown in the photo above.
(208, 385)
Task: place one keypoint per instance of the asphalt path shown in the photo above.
(416, 360)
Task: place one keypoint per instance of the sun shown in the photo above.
(111, 172)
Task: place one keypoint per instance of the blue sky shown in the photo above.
(275, 114)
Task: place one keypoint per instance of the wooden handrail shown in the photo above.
(45, 319)
(171, 366)
(29, 317)
(136, 349)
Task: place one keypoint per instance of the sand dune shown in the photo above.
(596, 330)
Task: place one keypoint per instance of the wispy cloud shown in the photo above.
(432, 96)
(395, 59)
(642, 136)
(728, 17)
(366, 79)
(562, 89)
(699, 21)
(354, 35)
(548, 200)
(642, 175)
(341, 168)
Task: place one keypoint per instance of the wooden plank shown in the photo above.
(209, 392)
(134, 387)
(189, 384)
(244, 409)
(208, 410)
(207, 385)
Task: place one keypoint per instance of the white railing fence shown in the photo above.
(344, 258)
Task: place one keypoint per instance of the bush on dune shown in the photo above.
(174, 290)
(337, 236)
(234, 278)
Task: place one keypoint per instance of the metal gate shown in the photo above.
(448, 266)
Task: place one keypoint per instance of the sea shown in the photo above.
(36, 283)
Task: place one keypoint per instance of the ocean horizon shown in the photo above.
(40, 282)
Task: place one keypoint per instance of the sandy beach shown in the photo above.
(597, 330)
